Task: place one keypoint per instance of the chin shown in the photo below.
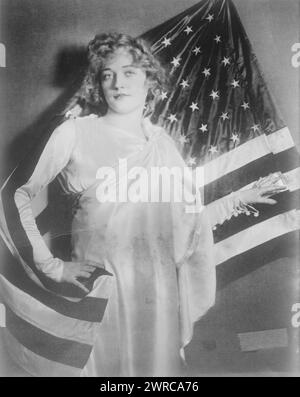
(125, 109)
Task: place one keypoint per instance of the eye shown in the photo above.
(129, 73)
(106, 76)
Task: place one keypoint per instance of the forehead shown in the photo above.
(119, 58)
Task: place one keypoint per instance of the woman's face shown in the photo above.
(124, 85)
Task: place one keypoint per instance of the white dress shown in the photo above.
(160, 256)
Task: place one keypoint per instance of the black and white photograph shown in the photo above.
(149, 191)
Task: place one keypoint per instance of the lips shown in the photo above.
(119, 96)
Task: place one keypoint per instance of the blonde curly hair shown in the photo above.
(100, 49)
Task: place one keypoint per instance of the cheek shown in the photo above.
(140, 83)
(143, 87)
(149, 85)
(143, 90)
(106, 92)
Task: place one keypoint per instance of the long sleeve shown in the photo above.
(224, 208)
(219, 210)
(55, 156)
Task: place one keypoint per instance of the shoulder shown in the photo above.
(86, 124)
(157, 131)
(70, 128)
(64, 131)
(164, 136)
(85, 120)
(168, 145)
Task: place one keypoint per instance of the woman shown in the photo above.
(160, 256)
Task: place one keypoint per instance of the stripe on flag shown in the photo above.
(35, 364)
(257, 234)
(250, 151)
(57, 349)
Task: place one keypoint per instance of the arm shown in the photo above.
(240, 202)
(53, 159)
(222, 209)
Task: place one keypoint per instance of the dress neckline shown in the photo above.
(146, 128)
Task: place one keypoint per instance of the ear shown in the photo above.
(153, 90)
(149, 83)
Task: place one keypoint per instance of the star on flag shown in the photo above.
(213, 149)
(255, 127)
(214, 95)
(182, 139)
(192, 161)
(224, 116)
(209, 17)
(245, 105)
(166, 42)
(203, 128)
(217, 39)
(196, 50)
(188, 30)
(176, 61)
(225, 61)
(235, 83)
(172, 118)
(206, 72)
(234, 138)
(164, 95)
(184, 84)
(194, 106)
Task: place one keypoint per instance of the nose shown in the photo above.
(119, 81)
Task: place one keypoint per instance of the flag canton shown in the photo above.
(221, 100)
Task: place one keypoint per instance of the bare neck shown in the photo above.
(131, 122)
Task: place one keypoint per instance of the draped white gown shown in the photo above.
(161, 257)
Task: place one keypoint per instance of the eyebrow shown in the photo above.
(124, 66)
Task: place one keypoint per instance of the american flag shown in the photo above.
(50, 328)
(221, 115)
